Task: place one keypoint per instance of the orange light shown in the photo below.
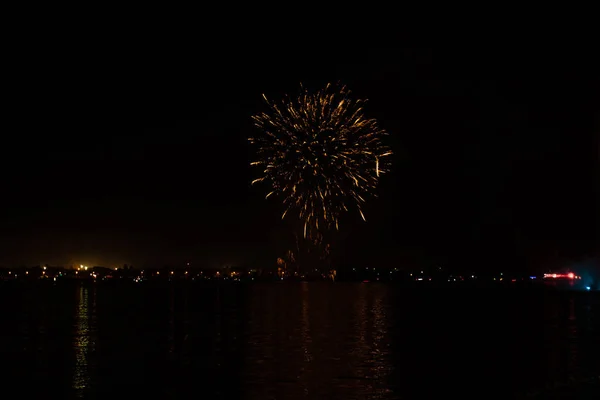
(570, 275)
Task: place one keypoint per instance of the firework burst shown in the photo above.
(320, 155)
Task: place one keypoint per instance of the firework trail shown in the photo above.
(320, 155)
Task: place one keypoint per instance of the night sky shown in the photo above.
(495, 160)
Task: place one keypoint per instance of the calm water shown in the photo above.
(292, 341)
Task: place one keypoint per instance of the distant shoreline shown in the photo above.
(408, 286)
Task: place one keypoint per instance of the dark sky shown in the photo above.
(147, 163)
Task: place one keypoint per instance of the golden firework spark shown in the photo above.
(319, 154)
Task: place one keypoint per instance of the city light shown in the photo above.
(563, 279)
(570, 275)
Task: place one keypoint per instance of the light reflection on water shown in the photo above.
(319, 346)
(84, 339)
(293, 341)
(573, 340)
(305, 337)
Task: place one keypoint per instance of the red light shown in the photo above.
(570, 275)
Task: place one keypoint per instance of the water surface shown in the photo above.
(292, 341)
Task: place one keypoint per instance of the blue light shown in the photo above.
(588, 288)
